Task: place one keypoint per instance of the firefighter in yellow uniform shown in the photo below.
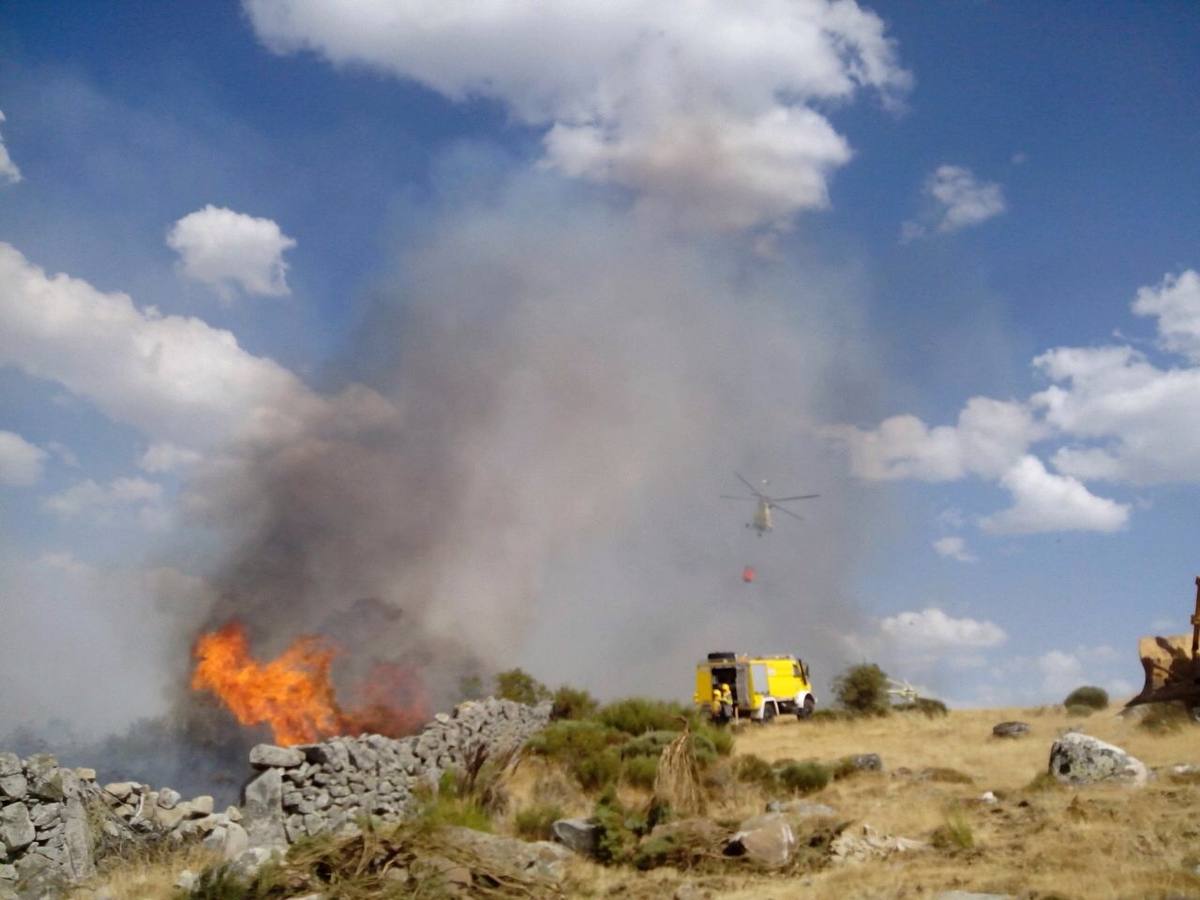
(726, 702)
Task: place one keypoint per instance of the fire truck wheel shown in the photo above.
(806, 711)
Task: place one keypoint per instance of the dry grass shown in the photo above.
(1096, 842)
(150, 873)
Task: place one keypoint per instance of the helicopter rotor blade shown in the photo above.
(801, 497)
(732, 497)
(786, 511)
(755, 491)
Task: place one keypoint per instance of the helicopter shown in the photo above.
(762, 515)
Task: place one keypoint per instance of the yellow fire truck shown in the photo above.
(762, 687)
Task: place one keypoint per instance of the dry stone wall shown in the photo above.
(55, 822)
(316, 788)
(44, 827)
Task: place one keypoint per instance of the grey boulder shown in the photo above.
(269, 756)
(580, 835)
(1082, 759)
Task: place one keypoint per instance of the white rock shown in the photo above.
(1081, 759)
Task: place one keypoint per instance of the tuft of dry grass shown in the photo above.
(146, 873)
(677, 781)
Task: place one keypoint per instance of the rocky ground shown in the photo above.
(1051, 806)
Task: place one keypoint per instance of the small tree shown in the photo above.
(1094, 697)
(519, 685)
(863, 689)
(573, 703)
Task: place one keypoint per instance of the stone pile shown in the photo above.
(316, 788)
(44, 829)
(139, 811)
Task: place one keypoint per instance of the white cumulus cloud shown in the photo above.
(21, 462)
(1126, 419)
(1175, 302)
(1044, 501)
(176, 379)
(8, 169)
(933, 629)
(958, 200)
(954, 547)
(989, 437)
(710, 110)
(226, 250)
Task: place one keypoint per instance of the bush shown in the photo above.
(451, 805)
(753, 769)
(533, 823)
(573, 703)
(863, 690)
(719, 740)
(520, 686)
(927, 706)
(1094, 697)
(651, 743)
(637, 715)
(1079, 711)
(640, 771)
(585, 747)
(619, 829)
(804, 777)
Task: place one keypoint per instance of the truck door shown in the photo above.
(758, 679)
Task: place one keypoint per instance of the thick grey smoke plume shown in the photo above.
(557, 396)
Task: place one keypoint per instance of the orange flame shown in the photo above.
(294, 695)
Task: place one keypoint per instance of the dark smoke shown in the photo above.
(557, 393)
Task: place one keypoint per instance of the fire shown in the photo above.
(294, 694)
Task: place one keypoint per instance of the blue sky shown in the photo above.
(883, 231)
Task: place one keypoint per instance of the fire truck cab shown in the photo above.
(762, 686)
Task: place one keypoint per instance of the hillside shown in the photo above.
(1037, 839)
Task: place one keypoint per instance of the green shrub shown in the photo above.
(533, 823)
(637, 715)
(569, 737)
(651, 743)
(752, 769)
(519, 685)
(719, 739)
(863, 689)
(595, 772)
(1088, 695)
(618, 828)
(804, 777)
(586, 748)
(640, 771)
(450, 805)
(573, 703)
(1079, 711)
